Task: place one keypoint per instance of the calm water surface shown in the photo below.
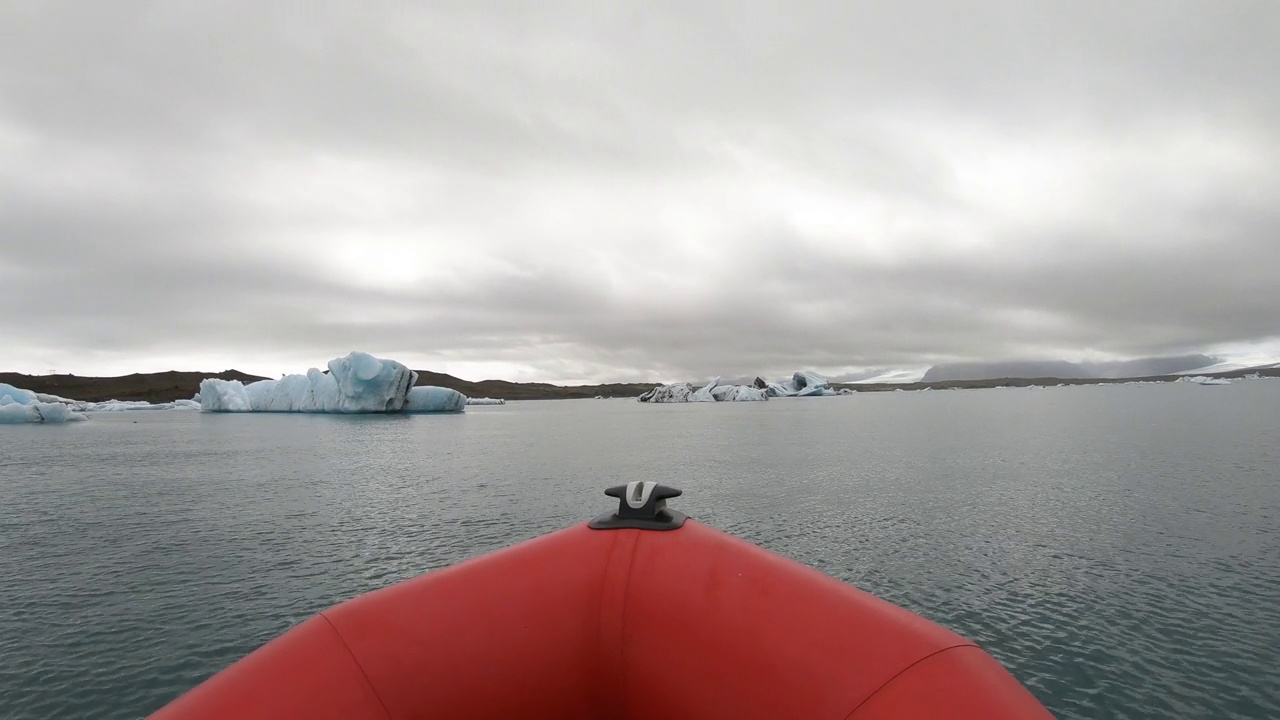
(1118, 548)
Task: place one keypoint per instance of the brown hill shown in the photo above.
(152, 387)
(529, 391)
(172, 385)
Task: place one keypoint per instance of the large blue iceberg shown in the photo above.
(357, 383)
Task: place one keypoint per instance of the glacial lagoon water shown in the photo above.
(1118, 548)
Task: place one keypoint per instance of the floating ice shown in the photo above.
(703, 394)
(801, 384)
(486, 401)
(36, 412)
(711, 392)
(673, 393)
(23, 406)
(357, 383)
(130, 405)
(432, 399)
(16, 394)
(738, 393)
(1203, 380)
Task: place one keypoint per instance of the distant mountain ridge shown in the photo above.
(1140, 367)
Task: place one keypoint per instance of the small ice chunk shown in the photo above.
(483, 401)
(123, 405)
(131, 405)
(432, 399)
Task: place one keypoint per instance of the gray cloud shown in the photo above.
(600, 191)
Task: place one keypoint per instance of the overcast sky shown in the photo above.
(580, 191)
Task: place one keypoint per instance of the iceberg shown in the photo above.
(16, 395)
(486, 401)
(673, 393)
(738, 393)
(37, 412)
(128, 405)
(703, 394)
(711, 392)
(800, 384)
(357, 383)
(1203, 380)
(432, 399)
(23, 406)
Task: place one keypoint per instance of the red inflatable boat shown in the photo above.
(636, 615)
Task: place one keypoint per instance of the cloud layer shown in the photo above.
(593, 191)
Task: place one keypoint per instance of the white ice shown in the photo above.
(1202, 380)
(703, 394)
(23, 406)
(486, 401)
(16, 394)
(357, 383)
(432, 399)
(738, 393)
(711, 392)
(801, 384)
(130, 405)
(673, 393)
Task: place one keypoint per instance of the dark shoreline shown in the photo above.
(172, 385)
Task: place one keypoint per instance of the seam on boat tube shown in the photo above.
(602, 641)
(899, 674)
(351, 653)
(611, 623)
(622, 620)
